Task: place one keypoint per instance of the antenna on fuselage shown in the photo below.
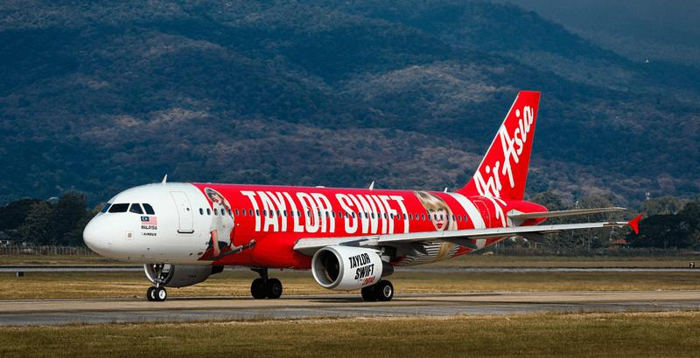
(165, 179)
(371, 186)
(445, 191)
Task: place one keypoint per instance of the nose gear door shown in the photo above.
(184, 212)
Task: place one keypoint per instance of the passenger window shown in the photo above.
(250, 212)
(236, 212)
(149, 209)
(201, 211)
(257, 212)
(105, 208)
(208, 211)
(119, 208)
(422, 217)
(223, 212)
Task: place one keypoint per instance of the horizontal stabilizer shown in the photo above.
(562, 213)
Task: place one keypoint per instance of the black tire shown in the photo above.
(160, 294)
(151, 294)
(257, 288)
(368, 294)
(384, 291)
(273, 288)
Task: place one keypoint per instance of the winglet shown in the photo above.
(634, 223)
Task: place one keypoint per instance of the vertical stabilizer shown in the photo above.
(503, 171)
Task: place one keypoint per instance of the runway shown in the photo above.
(94, 311)
(445, 269)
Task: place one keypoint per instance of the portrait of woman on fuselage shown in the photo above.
(441, 216)
(222, 224)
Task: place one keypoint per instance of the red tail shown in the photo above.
(503, 171)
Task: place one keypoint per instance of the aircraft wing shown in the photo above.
(560, 213)
(309, 246)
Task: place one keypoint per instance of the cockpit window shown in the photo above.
(119, 208)
(105, 208)
(136, 208)
(149, 209)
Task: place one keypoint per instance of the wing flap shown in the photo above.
(309, 246)
(561, 213)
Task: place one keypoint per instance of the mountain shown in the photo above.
(101, 96)
(656, 30)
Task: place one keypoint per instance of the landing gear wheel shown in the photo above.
(384, 290)
(368, 294)
(161, 294)
(257, 288)
(151, 293)
(273, 288)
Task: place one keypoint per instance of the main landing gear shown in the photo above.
(158, 292)
(381, 291)
(265, 287)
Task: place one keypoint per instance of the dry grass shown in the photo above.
(564, 261)
(462, 261)
(237, 283)
(15, 260)
(672, 334)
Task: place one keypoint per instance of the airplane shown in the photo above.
(350, 239)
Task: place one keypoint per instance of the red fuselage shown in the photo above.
(276, 217)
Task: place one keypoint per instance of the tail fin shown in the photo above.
(503, 171)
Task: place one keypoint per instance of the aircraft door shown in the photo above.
(184, 212)
(484, 211)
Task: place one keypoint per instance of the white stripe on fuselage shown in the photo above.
(471, 210)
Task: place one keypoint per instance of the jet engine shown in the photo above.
(179, 276)
(348, 268)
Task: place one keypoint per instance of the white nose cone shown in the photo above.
(94, 237)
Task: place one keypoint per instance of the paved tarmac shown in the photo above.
(439, 269)
(177, 309)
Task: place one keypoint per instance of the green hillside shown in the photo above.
(105, 95)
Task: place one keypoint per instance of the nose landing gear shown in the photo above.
(155, 293)
(265, 287)
(158, 293)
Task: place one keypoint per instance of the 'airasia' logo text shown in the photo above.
(512, 147)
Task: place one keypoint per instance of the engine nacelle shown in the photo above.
(181, 276)
(348, 268)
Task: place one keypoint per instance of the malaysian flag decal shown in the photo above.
(149, 220)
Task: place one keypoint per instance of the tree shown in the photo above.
(69, 213)
(13, 214)
(681, 230)
(665, 205)
(36, 227)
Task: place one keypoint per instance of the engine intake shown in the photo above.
(348, 268)
(180, 276)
